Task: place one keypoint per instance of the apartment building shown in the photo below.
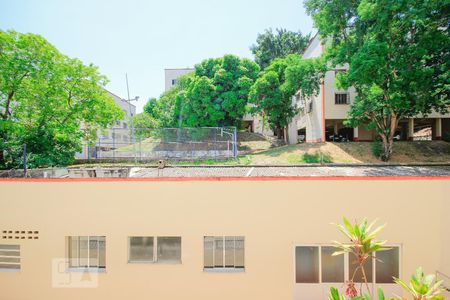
(172, 75)
(321, 117)
(114, 136)
(211, 239)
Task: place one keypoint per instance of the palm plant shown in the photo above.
(334, 295)
(422, 287)
(362, 246)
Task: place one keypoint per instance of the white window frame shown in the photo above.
(342, 93)
(11, 256)
(223, 269)
(346, 265)
(93, 269)
(155, 251)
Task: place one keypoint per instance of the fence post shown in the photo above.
(235, 149)
(114, 143)
(24, 160)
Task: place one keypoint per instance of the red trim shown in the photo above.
(355, 139)
(411, 138)
(271, 178)
(437, 138)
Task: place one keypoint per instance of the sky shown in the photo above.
(143, 37)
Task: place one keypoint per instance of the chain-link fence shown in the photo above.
(165, 143)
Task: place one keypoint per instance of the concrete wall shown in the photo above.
(274, 217)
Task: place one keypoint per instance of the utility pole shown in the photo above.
(133, 140)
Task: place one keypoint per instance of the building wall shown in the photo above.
(273, 216)
(106, 135)
(313, 122)
(173, 74)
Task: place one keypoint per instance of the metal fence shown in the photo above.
(143, 144)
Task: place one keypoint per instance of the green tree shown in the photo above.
(398, 56)
(217, 93)
(273, 91)
(271, 45)
(45, 99)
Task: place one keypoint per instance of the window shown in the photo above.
(9, 258)
(307, 264)
(87, 252)
(125, 125)
(223, 252)
(332, 266)
(309, 107)
(141, 249)
(174, 81)
(145, 250)
(315, 264)
(387, 265)
(341, 98)
(169, 249)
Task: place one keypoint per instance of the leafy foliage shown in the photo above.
(423, 287)
(273, 91)
(45, 97)
(362, 244)
(216, 94)
(398, 58)
(271, 45)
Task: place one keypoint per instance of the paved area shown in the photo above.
(290, 171)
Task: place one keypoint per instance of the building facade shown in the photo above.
(321, 117)
(171, 76)
(211, 239)
(114, 136)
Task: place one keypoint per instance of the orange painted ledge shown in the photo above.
(264, 178)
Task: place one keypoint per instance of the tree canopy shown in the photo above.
(271, 45)
(398, 58)
(45, 99)
(215, 94)
(273, 91)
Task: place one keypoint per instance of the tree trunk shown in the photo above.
(387, 139)
(279, 133)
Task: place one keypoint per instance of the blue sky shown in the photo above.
(143, 37)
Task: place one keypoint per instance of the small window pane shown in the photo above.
(332, 266)
(169, 249)
(218, 252)
(307, 264)
(387, 265)
(208, 252)
(141, 248)
(354, 266)
(73, 251)
(102, 252)
(93, 252)
(83, 251)
(239, 252)
(229, 251)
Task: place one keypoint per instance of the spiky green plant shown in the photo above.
(363, 244)
(335, 295)
(422, 287)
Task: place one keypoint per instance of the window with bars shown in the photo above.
(341, 98)
(224, 253)
(315, 264)
(147, 249)
(87, 252)
(9, 258)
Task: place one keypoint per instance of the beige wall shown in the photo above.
(274, 216)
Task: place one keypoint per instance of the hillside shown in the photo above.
(404, 152)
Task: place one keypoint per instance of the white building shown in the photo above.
(113, 136)
(322, 116)
(172, 75)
